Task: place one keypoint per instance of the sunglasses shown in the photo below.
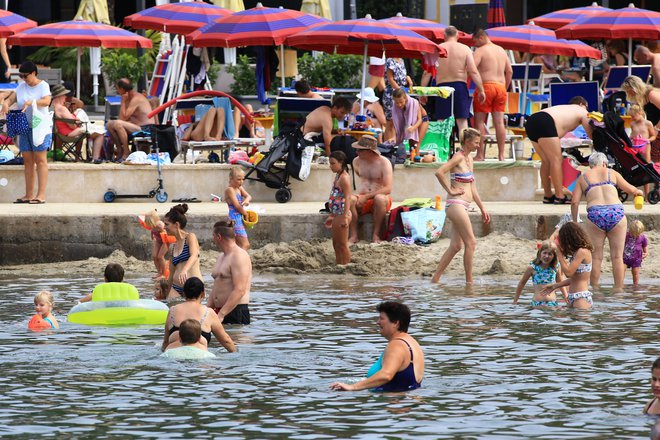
(23, 75)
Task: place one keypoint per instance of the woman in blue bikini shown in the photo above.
(401, 366)
(185, 252)
(605, 215)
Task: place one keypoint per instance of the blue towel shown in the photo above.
(225, 103)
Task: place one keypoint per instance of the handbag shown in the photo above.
(17, 123)
(423, 225)
(42, 123)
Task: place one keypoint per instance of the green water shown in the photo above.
(493, 370)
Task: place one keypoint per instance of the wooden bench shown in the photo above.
(511, 139)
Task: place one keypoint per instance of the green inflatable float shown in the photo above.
(118, 304)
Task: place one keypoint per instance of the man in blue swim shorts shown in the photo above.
(453, 72)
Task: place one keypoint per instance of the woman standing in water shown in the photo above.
(185, 253)
(461, 191)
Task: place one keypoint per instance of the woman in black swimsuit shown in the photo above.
(192, 308)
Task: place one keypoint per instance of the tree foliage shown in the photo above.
(339, 71)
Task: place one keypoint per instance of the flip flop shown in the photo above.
(36, 202)
(22, 201)
(549, 200)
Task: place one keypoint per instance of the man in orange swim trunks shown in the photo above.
(373, 192)
(495, 70)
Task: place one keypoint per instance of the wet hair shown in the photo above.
(656, 364)
(596, 159)
(114, 273)
(46, 296)
(399, 93)
(636, 109)
(125, 84)
(340, 157)
(342, 103)
(469, 134)
(579, 100)
(164, 287)
(636, 228)
(28, 67)
(640, 89)
(572, 237)
(151, 218)
(190, 330)
(396, 312)
(234, 170)
(451, 31)
(193, 288)
(479, 33)
(302, 86)
(178, 215)
(225, 229)
(546, 245)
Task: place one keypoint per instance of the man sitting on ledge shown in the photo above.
(132, 116)
(373, 192)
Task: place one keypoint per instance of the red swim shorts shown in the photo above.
(495, 99)
(368, 206)
(377, 70)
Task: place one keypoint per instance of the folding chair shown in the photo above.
(5, 139)
(71, 146)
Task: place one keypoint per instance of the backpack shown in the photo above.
(344, 143)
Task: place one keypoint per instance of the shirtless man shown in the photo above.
(453, 72)
(320, 120)
(132, 115)
(232, 277)
(644, 56)
(373, 193)
(495, 71)
(544, 129)
(304, 91)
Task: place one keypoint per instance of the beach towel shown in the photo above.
(225, 103)
(423, 225)
(403, 119)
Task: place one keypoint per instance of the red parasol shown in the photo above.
(176, 18)
(11, 23)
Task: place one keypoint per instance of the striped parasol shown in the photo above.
(620, 24)
(258, 26)
(557, 19)
(367, 37)
(176, 18)
(430, 29)
(11, 23)
(495, 16)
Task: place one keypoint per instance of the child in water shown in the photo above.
(188, 345)
(339, 205)
(158, 248)
(576, 246)
(43, 305)
(237, 199)
(653, 407)
(543, 270)
(161, 289)
(635, 249)
(113, 273)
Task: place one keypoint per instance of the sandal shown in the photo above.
(563, 201)
(549, 200)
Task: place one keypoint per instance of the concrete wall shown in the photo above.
(86, 183)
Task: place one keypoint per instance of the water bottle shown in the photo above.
(618, 105)
(351, 121)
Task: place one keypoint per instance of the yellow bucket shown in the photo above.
(250, 219)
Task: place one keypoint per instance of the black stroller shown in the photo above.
(291, 148)
(611, 138)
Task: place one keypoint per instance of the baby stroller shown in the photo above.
(611, 138)
(291, 148)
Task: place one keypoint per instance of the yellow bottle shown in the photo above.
(639, 202)
(438, 203)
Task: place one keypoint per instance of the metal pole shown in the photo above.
(353, 5)
(364, 77)
(142, 82)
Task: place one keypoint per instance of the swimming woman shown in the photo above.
(461, 191)
(185, 252)
(401, 366)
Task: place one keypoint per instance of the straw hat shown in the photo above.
(368, 95)
(59, 90)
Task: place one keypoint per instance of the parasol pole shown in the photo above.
(364, 76)
(524, 108)
(282, 65)
(630, 57)
(78, 73)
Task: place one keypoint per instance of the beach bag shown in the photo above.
(17, 123)
(423, 225)
(42, 123)
(237, 155)
(437, 139)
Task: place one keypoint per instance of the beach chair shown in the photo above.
(617, 74)
(294, 111)
(71, 146)
(562, 93)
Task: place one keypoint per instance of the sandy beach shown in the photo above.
(497, 255)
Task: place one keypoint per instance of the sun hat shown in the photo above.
(58, 90)
(367, 142)
(368, 95)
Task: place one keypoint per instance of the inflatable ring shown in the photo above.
(118, 304)
(250, 219)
